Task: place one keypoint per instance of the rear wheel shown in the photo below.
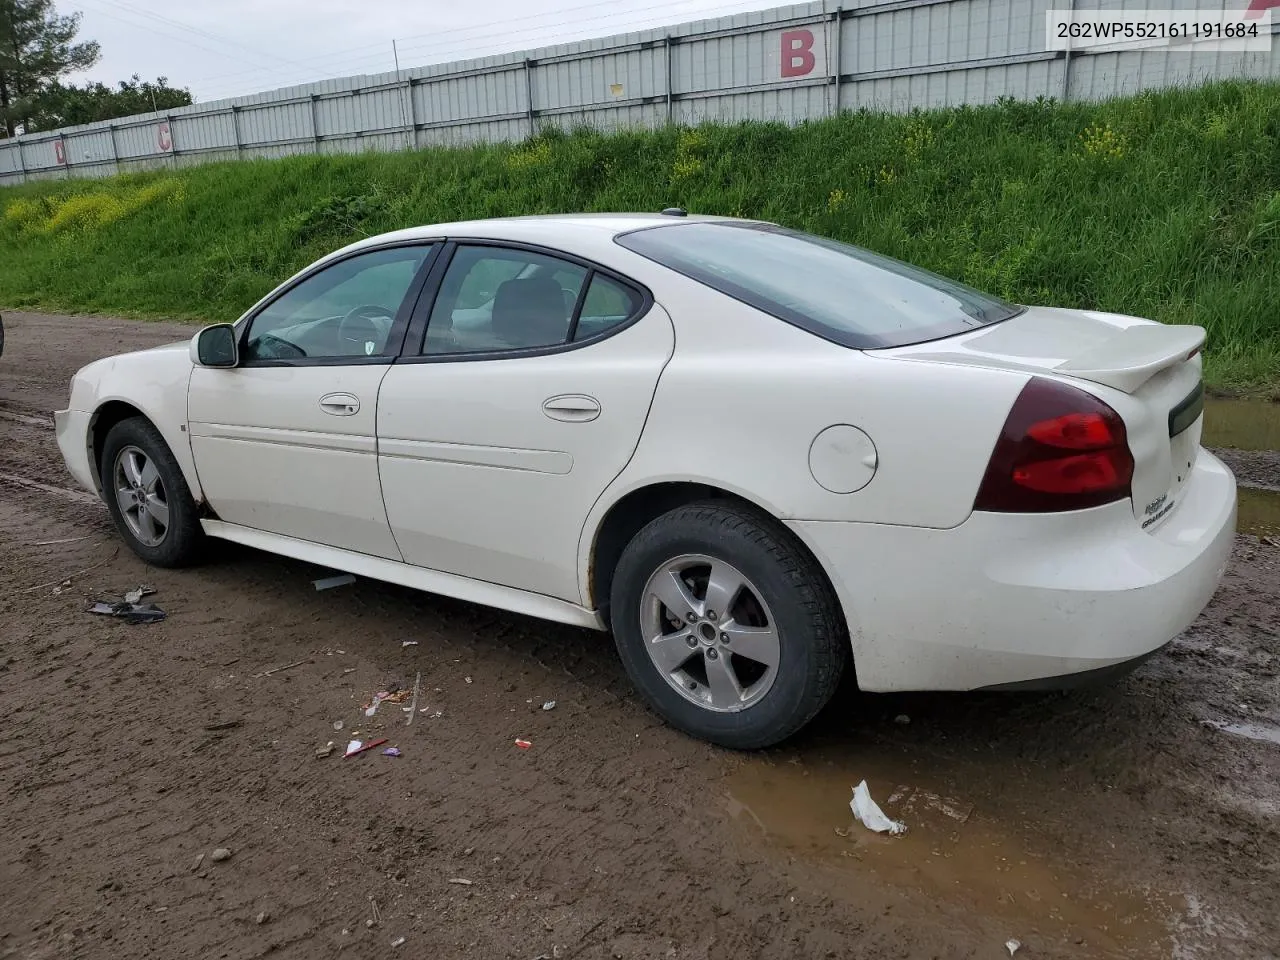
(726, 626)
(148, 497)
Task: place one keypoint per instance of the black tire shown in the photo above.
(184, 542)
(813, 640)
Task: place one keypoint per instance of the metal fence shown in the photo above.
(790, 63)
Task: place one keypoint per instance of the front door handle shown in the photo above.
(340, 404)
(572, 407)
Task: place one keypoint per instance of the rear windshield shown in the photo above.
(838, 291)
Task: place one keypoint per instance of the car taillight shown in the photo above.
(1061, 449)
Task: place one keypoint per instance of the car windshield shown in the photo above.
(838, 291)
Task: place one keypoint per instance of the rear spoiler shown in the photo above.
(1135, 354)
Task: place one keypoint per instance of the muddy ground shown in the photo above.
(1137, 820)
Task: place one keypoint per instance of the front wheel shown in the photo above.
(726, 626)
(148, 497)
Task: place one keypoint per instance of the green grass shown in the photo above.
(1165, 205)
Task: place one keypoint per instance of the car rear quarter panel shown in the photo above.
(745, 395)
(155, 383)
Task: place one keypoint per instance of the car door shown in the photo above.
(524, 400)
(285, 442)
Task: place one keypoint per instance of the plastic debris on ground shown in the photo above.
(136, 595)
(391, 752)
(129, 612)
(328, 583)
(412, 708)
(408, 643)
(1012, 946)
(549, 705)
(385, 696)
(870, 815)
(326, 750)
(355, 746)
(523, 744)
(398, 941)
(461, 881)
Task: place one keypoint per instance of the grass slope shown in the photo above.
(1164, 205)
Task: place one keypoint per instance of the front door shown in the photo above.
(528, 399)
(286, 441)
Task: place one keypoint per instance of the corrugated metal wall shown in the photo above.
(790, 63)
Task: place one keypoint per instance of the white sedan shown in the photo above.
(757, 456)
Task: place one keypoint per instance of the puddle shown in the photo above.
(1258, 512)
(1250, 731)
(953, 851)
(1242, 424)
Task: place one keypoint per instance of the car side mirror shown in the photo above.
(216, 346)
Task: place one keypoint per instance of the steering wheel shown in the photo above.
(366, 328)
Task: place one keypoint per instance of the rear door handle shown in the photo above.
(572, 407)
(340, 404)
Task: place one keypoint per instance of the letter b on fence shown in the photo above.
(797, 53)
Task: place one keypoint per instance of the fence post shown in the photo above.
(1066, 57)
(315, 123)
(413, 114)
(115, 147)
(66, 160)
(837, 20)
(667, 46)
(528, 94)
(22, 162)
(235, 129)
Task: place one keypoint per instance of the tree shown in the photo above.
(60, 105)
(36, 48)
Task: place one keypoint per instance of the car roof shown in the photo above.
(531, 228)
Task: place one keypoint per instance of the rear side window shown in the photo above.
(840, 292)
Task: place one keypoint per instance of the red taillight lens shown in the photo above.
(1061, 449)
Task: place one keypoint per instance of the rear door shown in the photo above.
(524, 389)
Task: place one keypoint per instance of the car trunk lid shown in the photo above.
(1148, 372)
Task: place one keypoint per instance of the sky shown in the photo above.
(224, 48)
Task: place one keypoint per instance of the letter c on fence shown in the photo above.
(797, 53)
(164, 140)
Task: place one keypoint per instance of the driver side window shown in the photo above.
(345, 310)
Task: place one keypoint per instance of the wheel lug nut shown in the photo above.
(692, 641)
(724, 638)
(712, 655)
(711, 614)
(690, 617)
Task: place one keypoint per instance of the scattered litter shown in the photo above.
(287, 666)
(523, 744)
(220, 854)
(468, 679)
(368, 924)
(434, 715)
(398, 941)
(385, 696)
(337, 724)
(413, 704)
(60, 587)
(408, 643)
(328, 583)
(913, 800)
(462, 881)
(66, 581)
(1012, 946)
(391, 752)
(348, 670)
(549, 705)
(870, 815)
(325, 751)
(130, 612)
(51, 543)
(136, 595)
(1271, 541)
(262, 918)
(355, 746)
(902, 719)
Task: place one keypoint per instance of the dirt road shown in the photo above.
(1139, 820)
